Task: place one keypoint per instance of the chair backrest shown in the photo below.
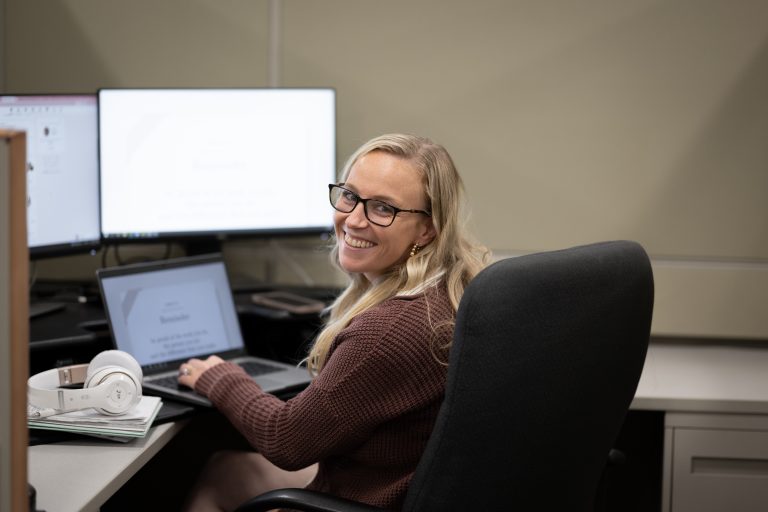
(547, 354)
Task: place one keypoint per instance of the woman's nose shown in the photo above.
(356, 217)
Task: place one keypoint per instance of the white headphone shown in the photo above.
(111, 385)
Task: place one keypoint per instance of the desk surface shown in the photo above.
(83, 474)
(704, 377)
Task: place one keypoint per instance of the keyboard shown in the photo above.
(171, 382)
(252, 368)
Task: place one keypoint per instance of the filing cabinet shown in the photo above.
(715, 462)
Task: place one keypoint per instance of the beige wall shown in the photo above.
(81, 45)
(572, 122)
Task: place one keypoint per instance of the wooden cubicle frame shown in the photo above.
(14, 276)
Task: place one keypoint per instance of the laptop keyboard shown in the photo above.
(170, 381)
(252, 368)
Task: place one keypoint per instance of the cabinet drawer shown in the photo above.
(717, 470)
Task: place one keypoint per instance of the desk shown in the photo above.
(704, 377)
(715, 403)
(719, 392)
(83, 474)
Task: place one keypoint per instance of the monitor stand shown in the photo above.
(203, 246)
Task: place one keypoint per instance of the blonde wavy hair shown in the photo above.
(450, 257)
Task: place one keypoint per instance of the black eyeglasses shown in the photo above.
(378, 212)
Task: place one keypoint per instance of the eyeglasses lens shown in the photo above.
(377, 212)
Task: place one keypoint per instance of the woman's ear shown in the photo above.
(427, 234)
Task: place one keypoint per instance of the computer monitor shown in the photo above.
(62, 169)
(180, 164)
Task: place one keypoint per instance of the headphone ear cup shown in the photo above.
(113, 358)
(120, 376)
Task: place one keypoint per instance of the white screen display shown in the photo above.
(62, 168)
(215, 161)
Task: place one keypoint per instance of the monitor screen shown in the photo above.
(181, 163)
(62, 169)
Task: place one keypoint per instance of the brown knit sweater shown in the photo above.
(367, 417)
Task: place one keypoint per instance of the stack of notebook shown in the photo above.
(132, 424)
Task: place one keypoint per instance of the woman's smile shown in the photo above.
(357, 243)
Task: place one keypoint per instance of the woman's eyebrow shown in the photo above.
(387, 199)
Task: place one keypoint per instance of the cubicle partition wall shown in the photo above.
(14, 324)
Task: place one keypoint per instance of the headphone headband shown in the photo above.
(43, 387)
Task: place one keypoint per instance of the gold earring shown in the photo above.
(415, 249)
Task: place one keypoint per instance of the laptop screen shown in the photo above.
(171, 311)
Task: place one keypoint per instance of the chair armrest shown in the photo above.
(302, 499)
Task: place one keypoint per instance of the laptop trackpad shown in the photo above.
(267, 384)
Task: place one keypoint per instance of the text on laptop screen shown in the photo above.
(172, 314)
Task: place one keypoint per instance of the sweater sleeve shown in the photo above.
(381, 366)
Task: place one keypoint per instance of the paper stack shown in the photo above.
(134, 423)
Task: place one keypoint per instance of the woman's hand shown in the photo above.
(190, 371)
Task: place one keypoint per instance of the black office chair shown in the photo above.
(547, 354)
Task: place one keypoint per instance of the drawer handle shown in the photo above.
(729, 466)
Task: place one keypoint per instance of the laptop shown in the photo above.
(163, 313)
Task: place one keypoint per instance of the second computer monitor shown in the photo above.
(181, 163)
(62, 169)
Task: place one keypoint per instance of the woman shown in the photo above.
(359, 429)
